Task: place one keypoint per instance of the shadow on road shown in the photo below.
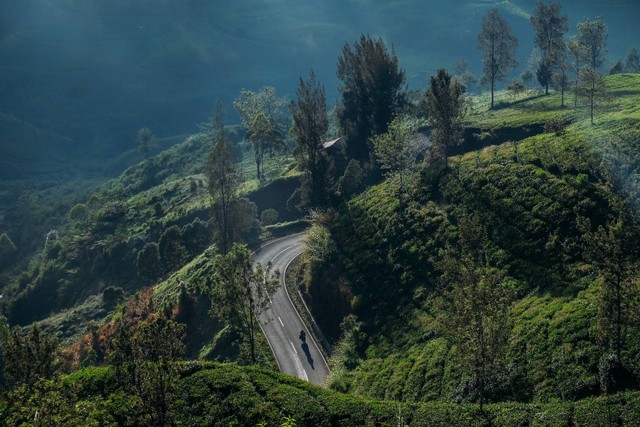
(305, 348)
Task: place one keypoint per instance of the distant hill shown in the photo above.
(97, 72)
(27, 151)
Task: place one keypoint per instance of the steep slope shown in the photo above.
(542, 199)
(96, 249)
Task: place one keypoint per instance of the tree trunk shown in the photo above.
(251, 334)
(483, 363)
(575, 91)
(225, 222)
(492, 87)
(257, 165)
(618, 318)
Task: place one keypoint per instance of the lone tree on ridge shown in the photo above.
(498, 47)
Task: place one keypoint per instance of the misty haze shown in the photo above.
(330, 213)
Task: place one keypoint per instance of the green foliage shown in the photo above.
(542, 200)
(112, 212)
(80, 213)
(265, 139)
(463, 72)
(269, 217)
(193, 273)
(550, 28)
(196, 236)
(250, 104)
(498, 46)
(632, 61)
(145, 363)
(212, 394)
(476, 297)
(239, 293)
(310, 125)
(396, 150)
(544, 74)
(516, 88)
(5, 335)
(617, 68)
(592, 87)
(245, 221)
(557, 126)
(29, 357)
(63, 284)
(351, 182)
(148, 262)
(592, 36)
(223, 179)
(181, 160)
(616, 254)
(371, 92)
(320, 247)
(112, 296)
(170, 248)
(445, 110)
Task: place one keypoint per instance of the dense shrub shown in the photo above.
(214, 394)
(112, 295)
(196, 236)
(269, 216)
(148, 263)
(352, 181)
(171, 250)
(557, 126)
(80, 213)
(113, 212)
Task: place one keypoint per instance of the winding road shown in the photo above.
(281, 323)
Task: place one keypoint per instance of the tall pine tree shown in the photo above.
(223, 179)
(310, 124)
(445, 110)
(371, 93)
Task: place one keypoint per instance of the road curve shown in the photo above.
(281, 323)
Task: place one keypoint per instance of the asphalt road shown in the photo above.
(281, 323)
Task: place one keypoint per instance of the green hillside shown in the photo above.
(96, 242)
(225, 395)
(558, 209)
(544, 200)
